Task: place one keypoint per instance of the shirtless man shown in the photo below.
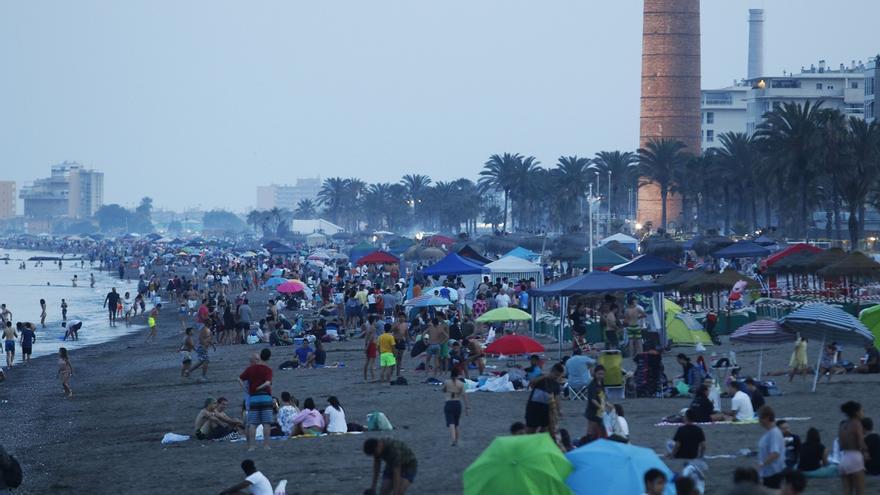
(401, 334)
(853, 451)
(612, 331)
(211, 423)
(5, 314)
(633, 316)
(437, 336)
(186, 352)
(370, 347)
(206, 339)
(9, 336)
(474, 355)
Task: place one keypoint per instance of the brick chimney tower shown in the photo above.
(670, 89)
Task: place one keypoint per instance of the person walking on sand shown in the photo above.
(387, 362)
(455, 395)
(9, 336)
(798, 362)
(92, 280)
(151, 322)
(126, 308)
(206, 340)
(110, 302)
(63, 310)
(259, 385)
(28, 337)
(65, 371)
(853, 451)
(43, 313)
(401, 333)
(75, 280)
(186, 353)
(370, 348)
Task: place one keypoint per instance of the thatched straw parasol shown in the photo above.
(854, 265)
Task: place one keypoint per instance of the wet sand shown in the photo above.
(128, 395)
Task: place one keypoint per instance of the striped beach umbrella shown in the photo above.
(761, 332)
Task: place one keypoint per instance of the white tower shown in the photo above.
(756, 43)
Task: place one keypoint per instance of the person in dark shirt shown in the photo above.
(872, 360)
(28, 336)
(400, 464)
(702, 406)
(596, 404)
(690, 442)
(111, 302)
(754, 394)
(813, 454)
(792, 444)
(872, 441)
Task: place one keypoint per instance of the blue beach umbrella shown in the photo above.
(427, 300)
(276, 272)
(606, 467)
(274, 282)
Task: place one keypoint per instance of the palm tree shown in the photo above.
(621, 165)
(355, 189)
(305, 209)
(333, 197)
(499, 173)
(572, 177)
(737, 158)
(658, 161)
(376, 200)
(860, 174)
(253, 219)
(526, 191)
(790, 137)
(416, 186)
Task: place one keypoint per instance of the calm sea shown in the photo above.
(21, 291)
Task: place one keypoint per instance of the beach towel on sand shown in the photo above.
(749, 422)
(174, 438)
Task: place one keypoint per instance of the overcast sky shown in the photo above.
(195, 103)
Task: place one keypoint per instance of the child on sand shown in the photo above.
(65, 371)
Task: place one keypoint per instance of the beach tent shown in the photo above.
(646, 264)
(526, 254)
(606, 467)
(519, 465)
(316, 239)
(593, 283)
(361, 249)
(763, 332)
(377, 257)
(515, 269)
(742, 249)
(631, 242)
(469, 252)
(870, 317)
(826, 323)
(603, 259)
(454, 264)
(682, 328)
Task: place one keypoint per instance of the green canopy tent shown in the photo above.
(603, 259)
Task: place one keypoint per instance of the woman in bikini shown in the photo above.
(853, 451)
(65, 371)
(455, 395)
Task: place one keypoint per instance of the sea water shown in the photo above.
(21, 291)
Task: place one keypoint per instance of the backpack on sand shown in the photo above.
(377, 421)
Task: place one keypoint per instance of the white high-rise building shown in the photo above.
(287, 196)
(872, 84)
(724, 110)
(71, 191)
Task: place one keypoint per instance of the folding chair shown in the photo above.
(612, 361)
(575, 392)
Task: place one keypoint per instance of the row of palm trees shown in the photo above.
(803, 158)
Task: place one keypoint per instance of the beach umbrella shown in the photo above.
(318, 256)
(761, 332)
(853, 265)
(504, 314)
(277, 272)
(821, 321)
(519, 465)
(427, 300)
(825, 258)
(514, 345)
(291, 286)
(274, 282)
(606, 467)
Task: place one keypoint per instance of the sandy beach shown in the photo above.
(128, 395)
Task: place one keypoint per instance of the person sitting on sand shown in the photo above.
(334, 416)
(309, 421)
(655, 482)
(812, 454)
(305, 356)
(289, 409)
(208, 425)
(320, 354)
(689, 441)
(255, 483)
(872, 360)
(828, 361)
(872, 441)
(740, 406)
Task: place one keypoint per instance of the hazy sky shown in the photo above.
(195, 103)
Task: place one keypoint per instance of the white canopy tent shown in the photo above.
(514, 269)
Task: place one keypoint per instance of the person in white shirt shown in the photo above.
(740, 406)
(502, 300)
(254, 484)
(287, 412)
(335, 416)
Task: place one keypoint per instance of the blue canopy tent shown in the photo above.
(454, 264)
(592, 283)
(521, 252)
(742, 249)
(646, 264)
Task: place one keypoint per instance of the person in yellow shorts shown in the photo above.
(151, 322)
(387, 362)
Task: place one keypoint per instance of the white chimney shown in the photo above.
(756, 43)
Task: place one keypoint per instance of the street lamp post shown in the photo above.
(590, 226)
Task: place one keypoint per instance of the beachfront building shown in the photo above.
(7, 199)
(287, 196)
(723, 110)
(316, 225)
(71, 191)
(872, 82)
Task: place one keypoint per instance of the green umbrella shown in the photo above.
(521, 464)
(504, 314)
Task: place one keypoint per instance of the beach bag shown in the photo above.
(682, 388)
(252, 339)
(12, 475)
(377, 421)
